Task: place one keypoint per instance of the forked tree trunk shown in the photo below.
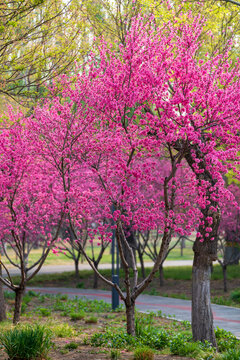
(130, 314)
(161, 275)
(3, 315)
(18, 303)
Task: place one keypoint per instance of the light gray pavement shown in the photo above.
(225, 317)
(51, 269)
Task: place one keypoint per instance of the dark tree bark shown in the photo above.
(76, 264)
(3, 315)
(161, 275)
(224, 270)
(130, 314)
(18, 303)
(95, 280)
(140, 255)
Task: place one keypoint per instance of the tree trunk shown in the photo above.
(202, 317)
(161, 275)
(142, 264)
(18, 303)
(130, 313)
(76, 263)
(224, 269)
(95, 279)
(3, 315)
(182, 246)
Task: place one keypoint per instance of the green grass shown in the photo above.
(184, 273)
(61, 259)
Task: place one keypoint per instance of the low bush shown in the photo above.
(77, 315)
(71, 346)
(226, 340)
(26, 343)
(235, 296)
(44, 312)
(91, 320)
(231, 354)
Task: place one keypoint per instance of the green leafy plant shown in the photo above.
(63, 330)
(80, 285)
(26, 343)
(115, 354)
(91, 320)
(226, 340)
(77, 315)
(71, 346)
(235, 295)
(143, 353)
(44, 312)
(231, 354)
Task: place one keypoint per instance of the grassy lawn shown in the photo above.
(61, 259)
(90, 330)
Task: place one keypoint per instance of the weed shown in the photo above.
(71, 346)
(91, 320)
(63, 330)
(225, 340)
(44, 312)
(143, 353)
(9, 295)
(77, 316)
(114, 354)
(231, 354)
(26, 343)
(80, 285)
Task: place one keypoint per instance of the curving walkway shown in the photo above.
(225, 317)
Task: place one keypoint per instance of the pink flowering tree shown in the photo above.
(30, 211)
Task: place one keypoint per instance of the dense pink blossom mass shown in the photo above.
(141, 138)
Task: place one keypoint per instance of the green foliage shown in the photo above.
(71, 346)
(81, 306)
(9, 295)
(114, 354)
(44, 312)
(26, 343)
(226, 340)
(182, 345)
(77, 315)
(80, 285)
(117, 340)
(91, 320)
(63, 330)
(231, 354)
(235, 296)
(143, 353)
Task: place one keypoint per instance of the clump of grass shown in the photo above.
(71, 346)
(232, 354)
(91, 320)
(44, 312)
(114, 354)
(63, 330)
(143, 353)
(26, 343)
(77, 315)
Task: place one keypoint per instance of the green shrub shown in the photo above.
(26, 343)
(32, 293)
(91, 320)
(71, 346)
(180, 345)
(77, 316)
(235, 295)
(44, 312)
(9, 295)
(63, 297)
(114, 354)
(63, 330)
(23, 308)
(118, 341)
(225, 340)
(143, 353)
(231, 354)
(80, 285)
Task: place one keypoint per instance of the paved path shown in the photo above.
(51, 269)
(225, 317)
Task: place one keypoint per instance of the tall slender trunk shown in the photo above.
(95, 278)
(18, 303)
(3, 315)
(140, 255)
(224, 269)
(161, 275)
(130, 314)
(76, 264)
